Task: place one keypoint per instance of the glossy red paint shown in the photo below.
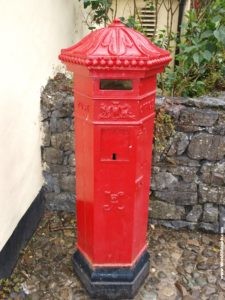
(114, 85)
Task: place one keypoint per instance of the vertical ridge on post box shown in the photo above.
(114, 88)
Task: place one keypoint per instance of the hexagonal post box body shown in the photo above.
(114, 87)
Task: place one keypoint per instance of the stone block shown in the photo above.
(73, 170)
(58, 125)
(209, 227)
(51, 183)
(58, 101)
(218, 174)
(53, 156)
(45, 114)
(221, 120)
(202, 102)
(157, 157)
(219, 128)
(182, 186)
(210, 214)
(67, 183)
(207, 146)
(179, 224)
(166, 177)
(179, 144)
(58, 169)
(174, 110)
(213, 173)
(177, 197)
(176, 224)
(66, 110)
(182, 160)
(46, 136)
(206, 172)
(72, 124)
(166, 211)
(188, 174)
(222, 217)
(71, 160)
(63, 141)
(198, 117)
(209, 101)
(211, 194)
(63, 201)
(162, 180)
(47, 102)
(195, 213)
(189, 128)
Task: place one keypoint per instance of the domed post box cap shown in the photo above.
(116, 47)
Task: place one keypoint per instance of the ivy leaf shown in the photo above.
(216, 20)
(87, 3)
(189, 49)
(206, 34)
(207, 55)
(220, 34)
(196, 58)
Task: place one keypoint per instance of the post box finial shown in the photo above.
(116, 23)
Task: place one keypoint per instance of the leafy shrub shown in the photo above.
(200, 62)
(200, 49)
(98, 13)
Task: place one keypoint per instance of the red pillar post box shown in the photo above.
(114, 87)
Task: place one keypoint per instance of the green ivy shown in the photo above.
(200, 63)
(132, 22)
(200, 59)
(100, 9)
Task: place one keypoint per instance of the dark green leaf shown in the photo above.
(220, 34)
(188, 49)
(206, 34)
(207, 55)
(196, 58)
(216, 19)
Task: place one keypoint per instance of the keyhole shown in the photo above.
(114, 156)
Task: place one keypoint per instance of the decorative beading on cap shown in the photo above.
(118, 47)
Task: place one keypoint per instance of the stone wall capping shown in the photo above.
(201, 102)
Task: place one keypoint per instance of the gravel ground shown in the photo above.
(184, 265)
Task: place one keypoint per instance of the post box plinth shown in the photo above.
(114, 88)
(111, 282)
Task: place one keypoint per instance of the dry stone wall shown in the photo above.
(188, 173)
(188, 176)
(58, 143)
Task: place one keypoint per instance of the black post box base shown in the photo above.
(111, 282)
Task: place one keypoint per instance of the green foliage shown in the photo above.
(99, 8)
(200, 56)
(164, 129)
(9, 285)
(132, 23)
(200, 62)
(163, 39)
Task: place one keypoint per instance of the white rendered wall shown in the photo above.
(32, 33)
